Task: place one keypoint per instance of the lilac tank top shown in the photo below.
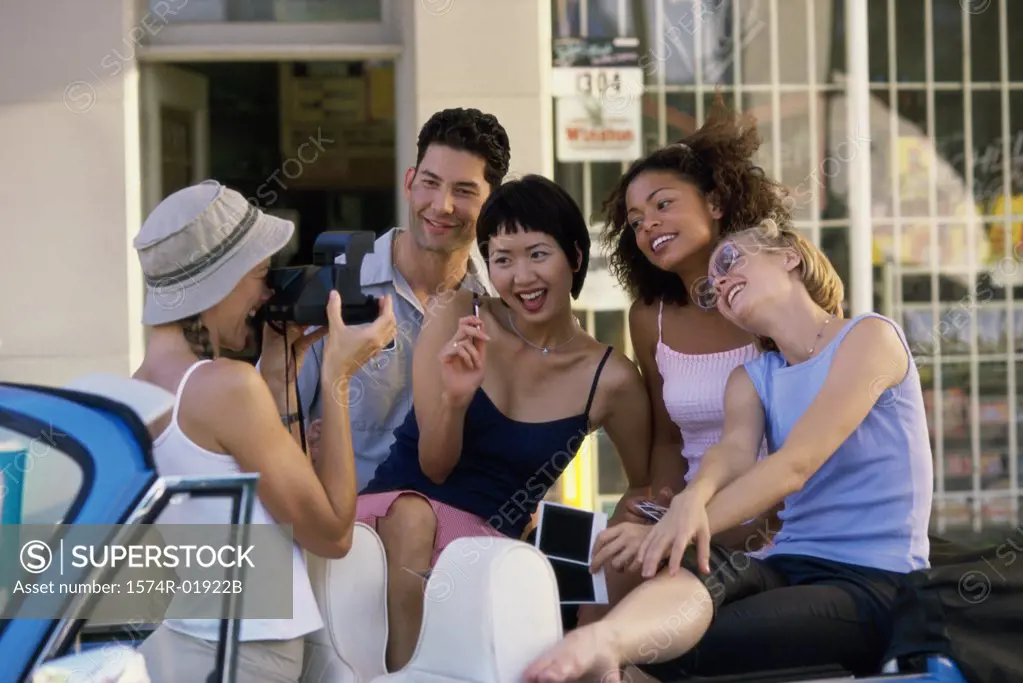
(694, 393)
(870, 503)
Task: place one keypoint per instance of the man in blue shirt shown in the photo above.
(463, 154)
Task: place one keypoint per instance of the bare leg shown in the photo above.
(631, 674)
(408, 533)
(660, 620)
(619, 584)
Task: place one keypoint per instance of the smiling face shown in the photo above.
(747, 277)
(672, 220)
(444, 196)
(530, 273)
(230, 321)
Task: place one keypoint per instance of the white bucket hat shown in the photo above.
(198, 244)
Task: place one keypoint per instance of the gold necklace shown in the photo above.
(820, 334)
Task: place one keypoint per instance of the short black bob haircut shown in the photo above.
(535, 204)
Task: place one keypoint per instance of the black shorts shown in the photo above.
(787, 611)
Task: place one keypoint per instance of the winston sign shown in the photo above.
(598, 87)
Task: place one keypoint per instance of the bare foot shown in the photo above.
(585, 655)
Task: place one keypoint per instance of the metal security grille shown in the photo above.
(945, 229)
(944, 141)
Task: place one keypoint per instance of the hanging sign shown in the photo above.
(598, 89)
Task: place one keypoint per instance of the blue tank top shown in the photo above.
(506, 466)
(870, 503)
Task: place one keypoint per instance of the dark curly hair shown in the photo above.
(469, 130)
(718, 159)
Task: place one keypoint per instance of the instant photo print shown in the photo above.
(566, 536)
(576, 586)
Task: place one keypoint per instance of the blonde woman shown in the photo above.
(840, 404)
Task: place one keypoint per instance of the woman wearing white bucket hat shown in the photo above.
(205, 252)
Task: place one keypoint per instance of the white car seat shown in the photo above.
(491, 608)
(149, 401)
(352, 595)
(114, 663)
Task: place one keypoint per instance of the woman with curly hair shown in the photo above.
(664, 218)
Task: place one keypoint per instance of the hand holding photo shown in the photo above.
(566, 536)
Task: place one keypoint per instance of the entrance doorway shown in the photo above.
(312, 142)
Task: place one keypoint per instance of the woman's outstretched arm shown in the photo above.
(236, 405)
(735, 453)
(871, 359)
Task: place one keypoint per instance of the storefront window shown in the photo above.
(945, 165)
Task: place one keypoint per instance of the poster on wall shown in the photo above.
(598, 97)
(337, 125)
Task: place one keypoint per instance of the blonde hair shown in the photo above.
(818, 275)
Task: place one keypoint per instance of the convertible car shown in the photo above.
(81, 455)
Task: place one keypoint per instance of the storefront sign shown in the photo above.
(598, 88)
(590, 131)
(591, 81)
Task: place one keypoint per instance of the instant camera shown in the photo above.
(300, 292)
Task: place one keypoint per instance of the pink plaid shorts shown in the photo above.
(452, 523)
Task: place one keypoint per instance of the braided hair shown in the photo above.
(198, 337)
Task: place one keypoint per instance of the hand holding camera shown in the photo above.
(280, 359)
(304, 296)
(348, 348)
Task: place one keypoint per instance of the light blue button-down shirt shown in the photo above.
(380, 394)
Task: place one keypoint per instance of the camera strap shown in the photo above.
(298, 408)
(290, 356)
(291, 362)
(316, 390)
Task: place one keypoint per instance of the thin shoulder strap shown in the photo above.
(660, 310)
(596, 377)
(181, 387)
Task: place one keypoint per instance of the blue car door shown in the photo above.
(65, 458)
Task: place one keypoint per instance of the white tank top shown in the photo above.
(177, 455)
